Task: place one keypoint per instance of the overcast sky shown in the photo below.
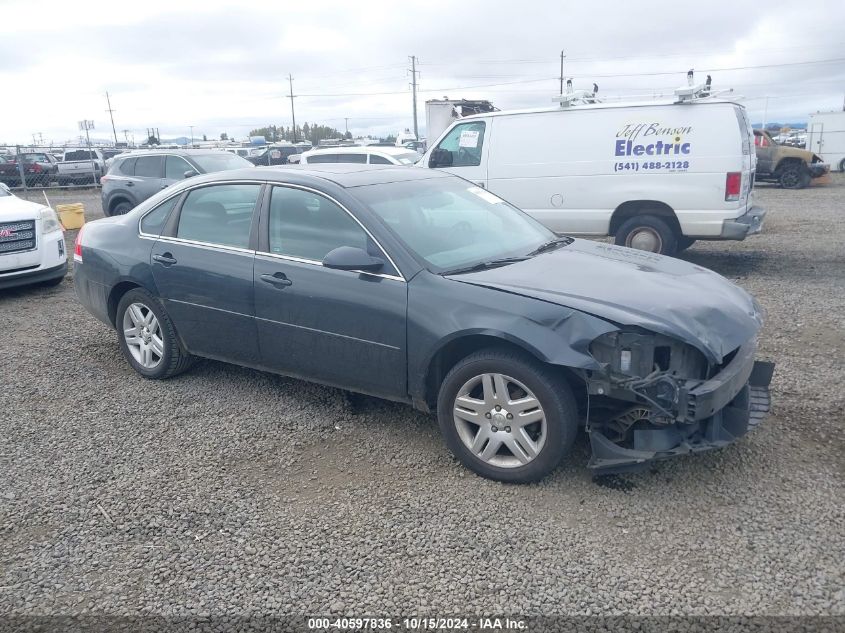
(222, 66)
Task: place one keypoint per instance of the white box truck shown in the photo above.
(655, 175)
(826, 137)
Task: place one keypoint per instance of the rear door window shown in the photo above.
(379, 160)
(220, 214)
(148, 167)
(352, 158)
(323, 158)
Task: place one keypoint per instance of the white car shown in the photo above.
(32, 243)
(365, 155)
(657, 176)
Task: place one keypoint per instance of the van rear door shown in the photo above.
(463, 150)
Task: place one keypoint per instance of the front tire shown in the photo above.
(648, 233)
(147, 337)
(794, 176)
(506, 416)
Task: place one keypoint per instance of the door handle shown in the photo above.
(279, 280)
(167, 259)
(129, 183)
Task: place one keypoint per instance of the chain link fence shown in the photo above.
(32, 166)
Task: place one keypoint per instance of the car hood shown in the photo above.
(14, 208)
(635, 288)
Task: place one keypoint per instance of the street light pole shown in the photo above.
(292, 113)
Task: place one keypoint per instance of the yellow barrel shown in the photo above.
(72, 216)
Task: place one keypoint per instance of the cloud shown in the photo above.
(223, 65)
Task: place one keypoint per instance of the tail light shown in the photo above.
(733, 186)
(104, 179)
(77, 247)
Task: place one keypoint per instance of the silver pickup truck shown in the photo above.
(81, 165)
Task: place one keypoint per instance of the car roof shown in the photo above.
(361, 149)
(177, 152)
(345, 175)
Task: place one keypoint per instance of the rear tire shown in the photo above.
(684, 243)
(794, 176)
(121, 208)
(147, 337)
(648, 233)
(501, 447)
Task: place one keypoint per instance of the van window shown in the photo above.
(465, 142)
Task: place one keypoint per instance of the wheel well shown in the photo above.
(633, 208)
(116, 295)
(457, 349)
(786, 162)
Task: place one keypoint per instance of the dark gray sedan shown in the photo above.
(420, 287)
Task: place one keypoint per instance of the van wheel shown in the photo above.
(794, 176)
(506, 416)
(648, 233)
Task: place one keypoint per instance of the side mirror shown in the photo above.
(440, 158)
(351, 258)
(190, 173)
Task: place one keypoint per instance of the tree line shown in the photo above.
(313, 132)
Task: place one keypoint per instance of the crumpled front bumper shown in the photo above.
(719, 411)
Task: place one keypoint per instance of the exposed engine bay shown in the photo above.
(656, 397)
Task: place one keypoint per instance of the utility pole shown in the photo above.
(192, 135)
(126, 135)
(111, 114)
(414, 73)
(346, 121)
(561, 72)
(292, 113)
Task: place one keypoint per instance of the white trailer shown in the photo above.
(826, 137)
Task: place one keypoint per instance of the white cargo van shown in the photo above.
(656, 176)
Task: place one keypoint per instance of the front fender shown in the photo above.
(549, 332)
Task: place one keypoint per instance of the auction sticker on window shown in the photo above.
(485, 195)
(469, 138)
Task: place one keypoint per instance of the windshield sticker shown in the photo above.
(469, 138)
(485, 195)
(652, 147)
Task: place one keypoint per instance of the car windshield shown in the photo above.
(220, 161)
(452, 224)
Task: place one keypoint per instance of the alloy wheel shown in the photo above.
(500, 420)
(142, 333)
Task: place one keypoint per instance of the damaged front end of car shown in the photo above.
(655, 397)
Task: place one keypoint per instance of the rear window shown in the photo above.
(744, 129)
(80, 154)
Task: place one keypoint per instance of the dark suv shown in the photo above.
(134, 177)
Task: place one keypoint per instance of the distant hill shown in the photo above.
(774, 125)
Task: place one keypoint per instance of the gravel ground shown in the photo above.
(228, 490)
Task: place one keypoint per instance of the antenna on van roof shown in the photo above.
(576, 96)
(693, 91)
